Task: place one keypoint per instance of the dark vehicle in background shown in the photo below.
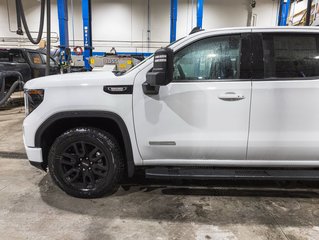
(30, 63)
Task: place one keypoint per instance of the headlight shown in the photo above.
(33, 98)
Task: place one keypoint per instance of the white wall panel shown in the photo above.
(123, 23)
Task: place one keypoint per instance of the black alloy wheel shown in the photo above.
(83, 165)
(86, 162)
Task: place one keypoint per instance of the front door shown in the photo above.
(204, 113)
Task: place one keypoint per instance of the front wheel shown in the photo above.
(86, 162)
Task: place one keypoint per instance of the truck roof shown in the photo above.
(263, 29)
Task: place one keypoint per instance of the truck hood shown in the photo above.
(78, 79)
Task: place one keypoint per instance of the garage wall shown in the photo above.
(32, 9)
(123, 24)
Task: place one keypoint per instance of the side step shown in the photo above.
(227, 173)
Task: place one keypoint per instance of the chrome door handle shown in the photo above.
(231, 96)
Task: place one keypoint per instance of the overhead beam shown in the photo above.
(87, 32)
(283, 12)
(200, 10)
(174, 4)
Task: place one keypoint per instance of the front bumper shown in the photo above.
(35, 157)
(34, 154)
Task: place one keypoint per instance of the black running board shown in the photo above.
(226, 173)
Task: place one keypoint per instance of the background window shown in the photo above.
(36, 58)
(4, 56)
(16, 56)
(44, 60)
(290, 56)
(211, 58)
(11, 56)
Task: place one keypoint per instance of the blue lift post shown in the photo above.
(174, 4)
(63, 30)
(87, 32)
(200, 9)
(283, 12)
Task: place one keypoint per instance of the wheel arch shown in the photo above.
(60, 122)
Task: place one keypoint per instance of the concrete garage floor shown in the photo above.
(31, 207)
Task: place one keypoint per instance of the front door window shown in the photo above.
(211, 58)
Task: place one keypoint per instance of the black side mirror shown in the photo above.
(162, 73)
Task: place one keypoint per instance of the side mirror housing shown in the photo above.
(162, 72)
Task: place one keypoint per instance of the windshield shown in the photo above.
(140, 63)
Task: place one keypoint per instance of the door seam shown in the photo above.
(249, 117)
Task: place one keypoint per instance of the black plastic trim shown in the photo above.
(232, 173)
(118, 89)
(257, 56)
(246, 57)
(38, 165)
(148, 89)
(91, 114)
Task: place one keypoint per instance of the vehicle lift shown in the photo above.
(87, 29)
(283, 12)
(310, 13)
(64, 32)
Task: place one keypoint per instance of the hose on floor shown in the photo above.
(19, 82)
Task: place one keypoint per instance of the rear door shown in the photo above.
(284, 123)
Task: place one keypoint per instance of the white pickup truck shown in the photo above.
(223, 103)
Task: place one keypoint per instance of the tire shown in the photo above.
(86, 162)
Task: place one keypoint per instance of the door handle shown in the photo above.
(231, 96)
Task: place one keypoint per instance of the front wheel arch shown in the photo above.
(58, 123)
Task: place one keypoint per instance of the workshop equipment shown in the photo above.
(122, 62)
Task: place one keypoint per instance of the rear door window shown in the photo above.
(290, 55)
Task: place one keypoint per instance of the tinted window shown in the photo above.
(291, 56)
(35, 58)
(4, 56)
(211, 58)
(16, 56)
